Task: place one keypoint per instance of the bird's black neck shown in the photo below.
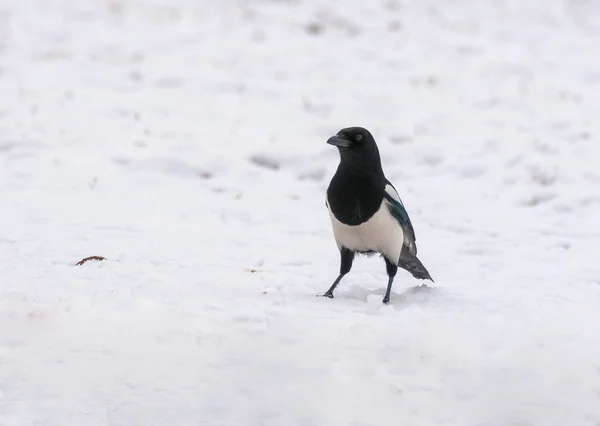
(355, 193)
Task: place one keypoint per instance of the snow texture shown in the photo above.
(185, 142)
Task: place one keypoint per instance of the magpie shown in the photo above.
(367, 215)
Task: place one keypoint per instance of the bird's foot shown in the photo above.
(386, 299)
(328, 294)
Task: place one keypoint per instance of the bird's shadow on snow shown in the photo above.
(414, 295)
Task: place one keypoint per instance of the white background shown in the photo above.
(185, 142)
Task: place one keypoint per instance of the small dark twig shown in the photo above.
(82, 261)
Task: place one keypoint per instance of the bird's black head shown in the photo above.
(357, 147)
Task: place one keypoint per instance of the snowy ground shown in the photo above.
(185, 141)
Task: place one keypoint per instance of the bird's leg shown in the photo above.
(329, 293)
(391, 271)
(347, 257)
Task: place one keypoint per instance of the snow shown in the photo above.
(185, 142)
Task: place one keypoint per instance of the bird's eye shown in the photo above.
(358, 138)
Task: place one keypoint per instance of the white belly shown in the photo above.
(381, 233)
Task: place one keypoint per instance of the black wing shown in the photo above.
(401, 215)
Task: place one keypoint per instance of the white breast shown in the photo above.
(381, 233)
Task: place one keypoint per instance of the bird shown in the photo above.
(366, 212)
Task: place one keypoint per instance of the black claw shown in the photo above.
(386, 300)
(328, 294)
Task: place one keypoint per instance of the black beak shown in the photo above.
(338, 141)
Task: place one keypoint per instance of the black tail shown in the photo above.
(413, 265)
